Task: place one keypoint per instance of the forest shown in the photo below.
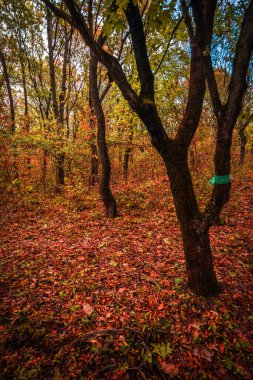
(126, 141)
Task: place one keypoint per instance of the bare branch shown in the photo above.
(168, 44)
(57, 11)
(146, 76)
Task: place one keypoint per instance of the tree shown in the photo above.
(244, 121)
(97, 110)
(174, 152)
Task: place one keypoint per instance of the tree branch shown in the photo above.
(187, 20)
(213, 89)
(203, 16)
(146, 76)
(168, 44)
(243, 54)
(57, 11)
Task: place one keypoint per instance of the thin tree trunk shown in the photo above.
(93, 175)
(44, 170)
(51, 64)
(58, 107)
(12, 112)
(104, 181)
(243, 141)
(27, 127)
(9, 91)
(127, 152)
(59, 178)
(26, 121)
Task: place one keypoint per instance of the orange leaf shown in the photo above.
(169, 368)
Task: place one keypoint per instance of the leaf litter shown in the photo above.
(85, 297)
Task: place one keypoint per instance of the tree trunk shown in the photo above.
(93, 175)
(9, 91)
(60, 173)
(127, 153)
(12, 112)
(26, 121)
(44, 170)
(58, 107)
(104, 181)
(199, 265)
(243, 141)
(26, 124)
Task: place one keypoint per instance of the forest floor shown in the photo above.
(85, 297)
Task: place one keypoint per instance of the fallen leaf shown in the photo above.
(169, 368)
(88, 309)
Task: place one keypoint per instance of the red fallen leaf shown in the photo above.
(88, 309)
(161, 306)
(169, 368)
(222, 348)
(81, 258)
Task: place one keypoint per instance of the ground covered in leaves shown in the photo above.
(85, 297)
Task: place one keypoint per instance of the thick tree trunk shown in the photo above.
(199, 264)
(104, 181)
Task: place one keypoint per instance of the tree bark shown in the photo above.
(12, 112)
(9, 91)
(93, 175)
(58, 107)
(199, 265)
(128, 152)
(104, 181)
(243, 141)
(27, 127)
